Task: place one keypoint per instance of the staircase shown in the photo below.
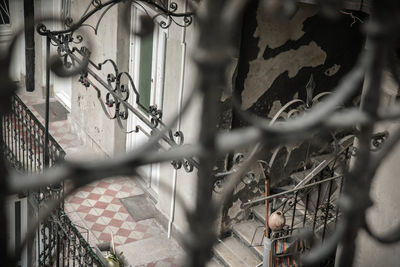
(245, 246)
(310, 202)
(307, 201)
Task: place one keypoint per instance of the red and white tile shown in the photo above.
(100, 210)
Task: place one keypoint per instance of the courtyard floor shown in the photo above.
(98, 213)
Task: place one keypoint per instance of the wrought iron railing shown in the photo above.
(309, 207)
(63, 245)
(58, 240)
(312, 208)
(24, 140)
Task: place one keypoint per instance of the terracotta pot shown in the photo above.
(276, 221)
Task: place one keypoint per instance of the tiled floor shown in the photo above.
(60, 130)
(101, 211)
(96, 208)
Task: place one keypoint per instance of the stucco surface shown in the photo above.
(270, 33)
(263, 72)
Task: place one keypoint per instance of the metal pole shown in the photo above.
(267, 240)
(266, 206)
(46, 134)
(29, 45)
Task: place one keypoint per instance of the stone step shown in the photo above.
(234, 253)
(246, 230)
(280, 189)
(214, 262)
(320, 158)
(259, 212)
(299, 176)
(298, 218)
(320, 162)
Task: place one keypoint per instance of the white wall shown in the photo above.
(95, 129)
(385, 212)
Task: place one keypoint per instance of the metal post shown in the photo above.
(267, 240)
(29, 45)
(46, 134)
(267, 251)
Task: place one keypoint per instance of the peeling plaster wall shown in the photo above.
(277, 58)
(276, 62)
(263, 72)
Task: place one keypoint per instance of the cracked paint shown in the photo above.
(270, 32)
(276, 106)
(235, 210)
(332, 70)
(262, 73)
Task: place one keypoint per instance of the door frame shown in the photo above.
(151, 182)
(11, 231)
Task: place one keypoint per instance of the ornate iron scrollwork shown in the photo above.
(161, 8)
(121, 90)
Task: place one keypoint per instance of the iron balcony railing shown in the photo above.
(63, 245)
(59, 242)
(24, 140)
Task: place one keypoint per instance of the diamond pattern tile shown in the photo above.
(103, 214)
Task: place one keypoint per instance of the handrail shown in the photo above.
(152, 124)
(290, 191)
(118, 95)
(346, 142)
